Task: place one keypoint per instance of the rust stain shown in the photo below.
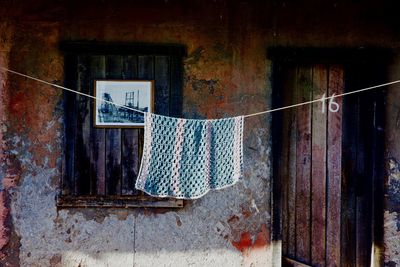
(4, 213)
(178, 221)
(55, 260)
(233, 219)
(246, 213)
(246, 243)
(18, 106)
(122, 215)
(195, 56)
(262, 239)
(13, 170)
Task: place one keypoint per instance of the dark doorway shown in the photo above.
(328, 166)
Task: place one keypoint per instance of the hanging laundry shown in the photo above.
(185, 158)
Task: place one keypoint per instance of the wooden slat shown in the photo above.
(145, 72)
(146, 67)
(318, 170)
(97, 156)
(378, 173)
(278, 159)
(283, 162)
(130, 138)
(288, 78)
(287, 262)
(130, 160)
(113, 136)
(349, 153)
(303, 166)
(129, 67)
(117, 202)
(334, 139)
(162, 84)
(291, 191)
(364, 179)
(82, 139)
(176, 98)
(70, 108)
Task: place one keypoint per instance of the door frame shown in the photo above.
(293, 55)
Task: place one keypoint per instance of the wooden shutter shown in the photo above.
(103, 163)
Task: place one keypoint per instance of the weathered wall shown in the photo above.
(226, 73)
(392, 192)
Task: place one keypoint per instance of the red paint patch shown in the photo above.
(262, 238)
(244, 243)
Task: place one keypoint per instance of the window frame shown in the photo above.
(67, 196)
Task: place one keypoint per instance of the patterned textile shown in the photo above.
(184, 158)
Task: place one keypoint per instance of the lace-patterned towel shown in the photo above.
(184, 158)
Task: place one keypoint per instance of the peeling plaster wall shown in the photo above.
(392, 192)
(226, 228)
(226, 73)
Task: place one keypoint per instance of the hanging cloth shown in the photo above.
(185, 158)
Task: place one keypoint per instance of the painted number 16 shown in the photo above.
(333, 106)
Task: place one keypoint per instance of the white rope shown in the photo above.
(70, 90)
(245, 116)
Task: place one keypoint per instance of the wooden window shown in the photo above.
(327, 166)
(101, 164)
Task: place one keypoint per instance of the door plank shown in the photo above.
(333, 228)
(130, 138)
(349, 170)
(288, 162)
(318, 170)
(113, 136)
(303, 166)
(364, 177)
(292, 184)
(82, 138)
(175, 103)
(162, 84)
(97, 156)
(145, 72)
(288, 262)
(71, 74)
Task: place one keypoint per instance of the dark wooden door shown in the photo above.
(326, 164)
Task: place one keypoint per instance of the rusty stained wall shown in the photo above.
(226, 73)
(392, 183)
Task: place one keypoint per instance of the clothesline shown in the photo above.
(245, 116)
(326, 98)
(68, 89)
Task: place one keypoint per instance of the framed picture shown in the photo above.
(137, 95)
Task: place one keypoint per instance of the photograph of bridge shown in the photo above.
(122, 103)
